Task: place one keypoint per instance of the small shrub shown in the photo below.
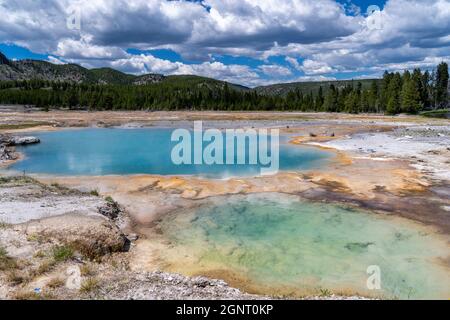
(45, 267)
(6, 262)
(56, 283)
(94, 193)
(89, 285)
(18, 180)
(87, 270)
(34, 237)
(62, 253)
(39, 254)
(3, 253)
(15, 278)
(325, 293)
(110, 200)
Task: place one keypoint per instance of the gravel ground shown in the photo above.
(427, 147)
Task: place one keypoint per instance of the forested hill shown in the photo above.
(46, 85)
(43, 70)
(283, 89)
(46, 71)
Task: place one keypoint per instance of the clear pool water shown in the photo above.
(97, 151)
(280, 244)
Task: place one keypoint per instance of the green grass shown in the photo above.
(110, 200)
(62, 253)
(6, 262)
(17, 180)
(441, 114)
(325, 293)
(23, 125)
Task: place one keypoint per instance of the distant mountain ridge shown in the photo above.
(43, 70)
(282, 89)
(4, 59)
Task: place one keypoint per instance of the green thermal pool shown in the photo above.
(273, 243)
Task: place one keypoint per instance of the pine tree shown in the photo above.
(373, 97)
(410, 96)
(331, 100)
(364, 104)
(352, 102)
(441, 92)
(425, 93)
(384, 96)
(393, 94)
(319, 100)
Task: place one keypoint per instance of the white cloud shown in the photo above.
(83, 49)
(229, 24)
(275, 70)
(55, 60)
(311, 67)
(413, 33)
(325, 36)
(313, 78)
(293, 62)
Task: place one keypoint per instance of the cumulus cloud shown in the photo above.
(33, 24)
(82, 49)
(311, 67)
(293, 62)
(147, 63)
(408, 33)
(55, 60)
(275, 70)
(315, 37)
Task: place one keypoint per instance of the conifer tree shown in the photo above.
(410, 96)
(441, 90)
(393, 94)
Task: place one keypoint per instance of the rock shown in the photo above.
(93, 237)
(18, 141)
(111, 210)
(132, 237)
(7, 154)
(3, 139)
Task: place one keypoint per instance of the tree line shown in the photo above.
(407, 92)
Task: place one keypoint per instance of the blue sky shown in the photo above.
(251, 42)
